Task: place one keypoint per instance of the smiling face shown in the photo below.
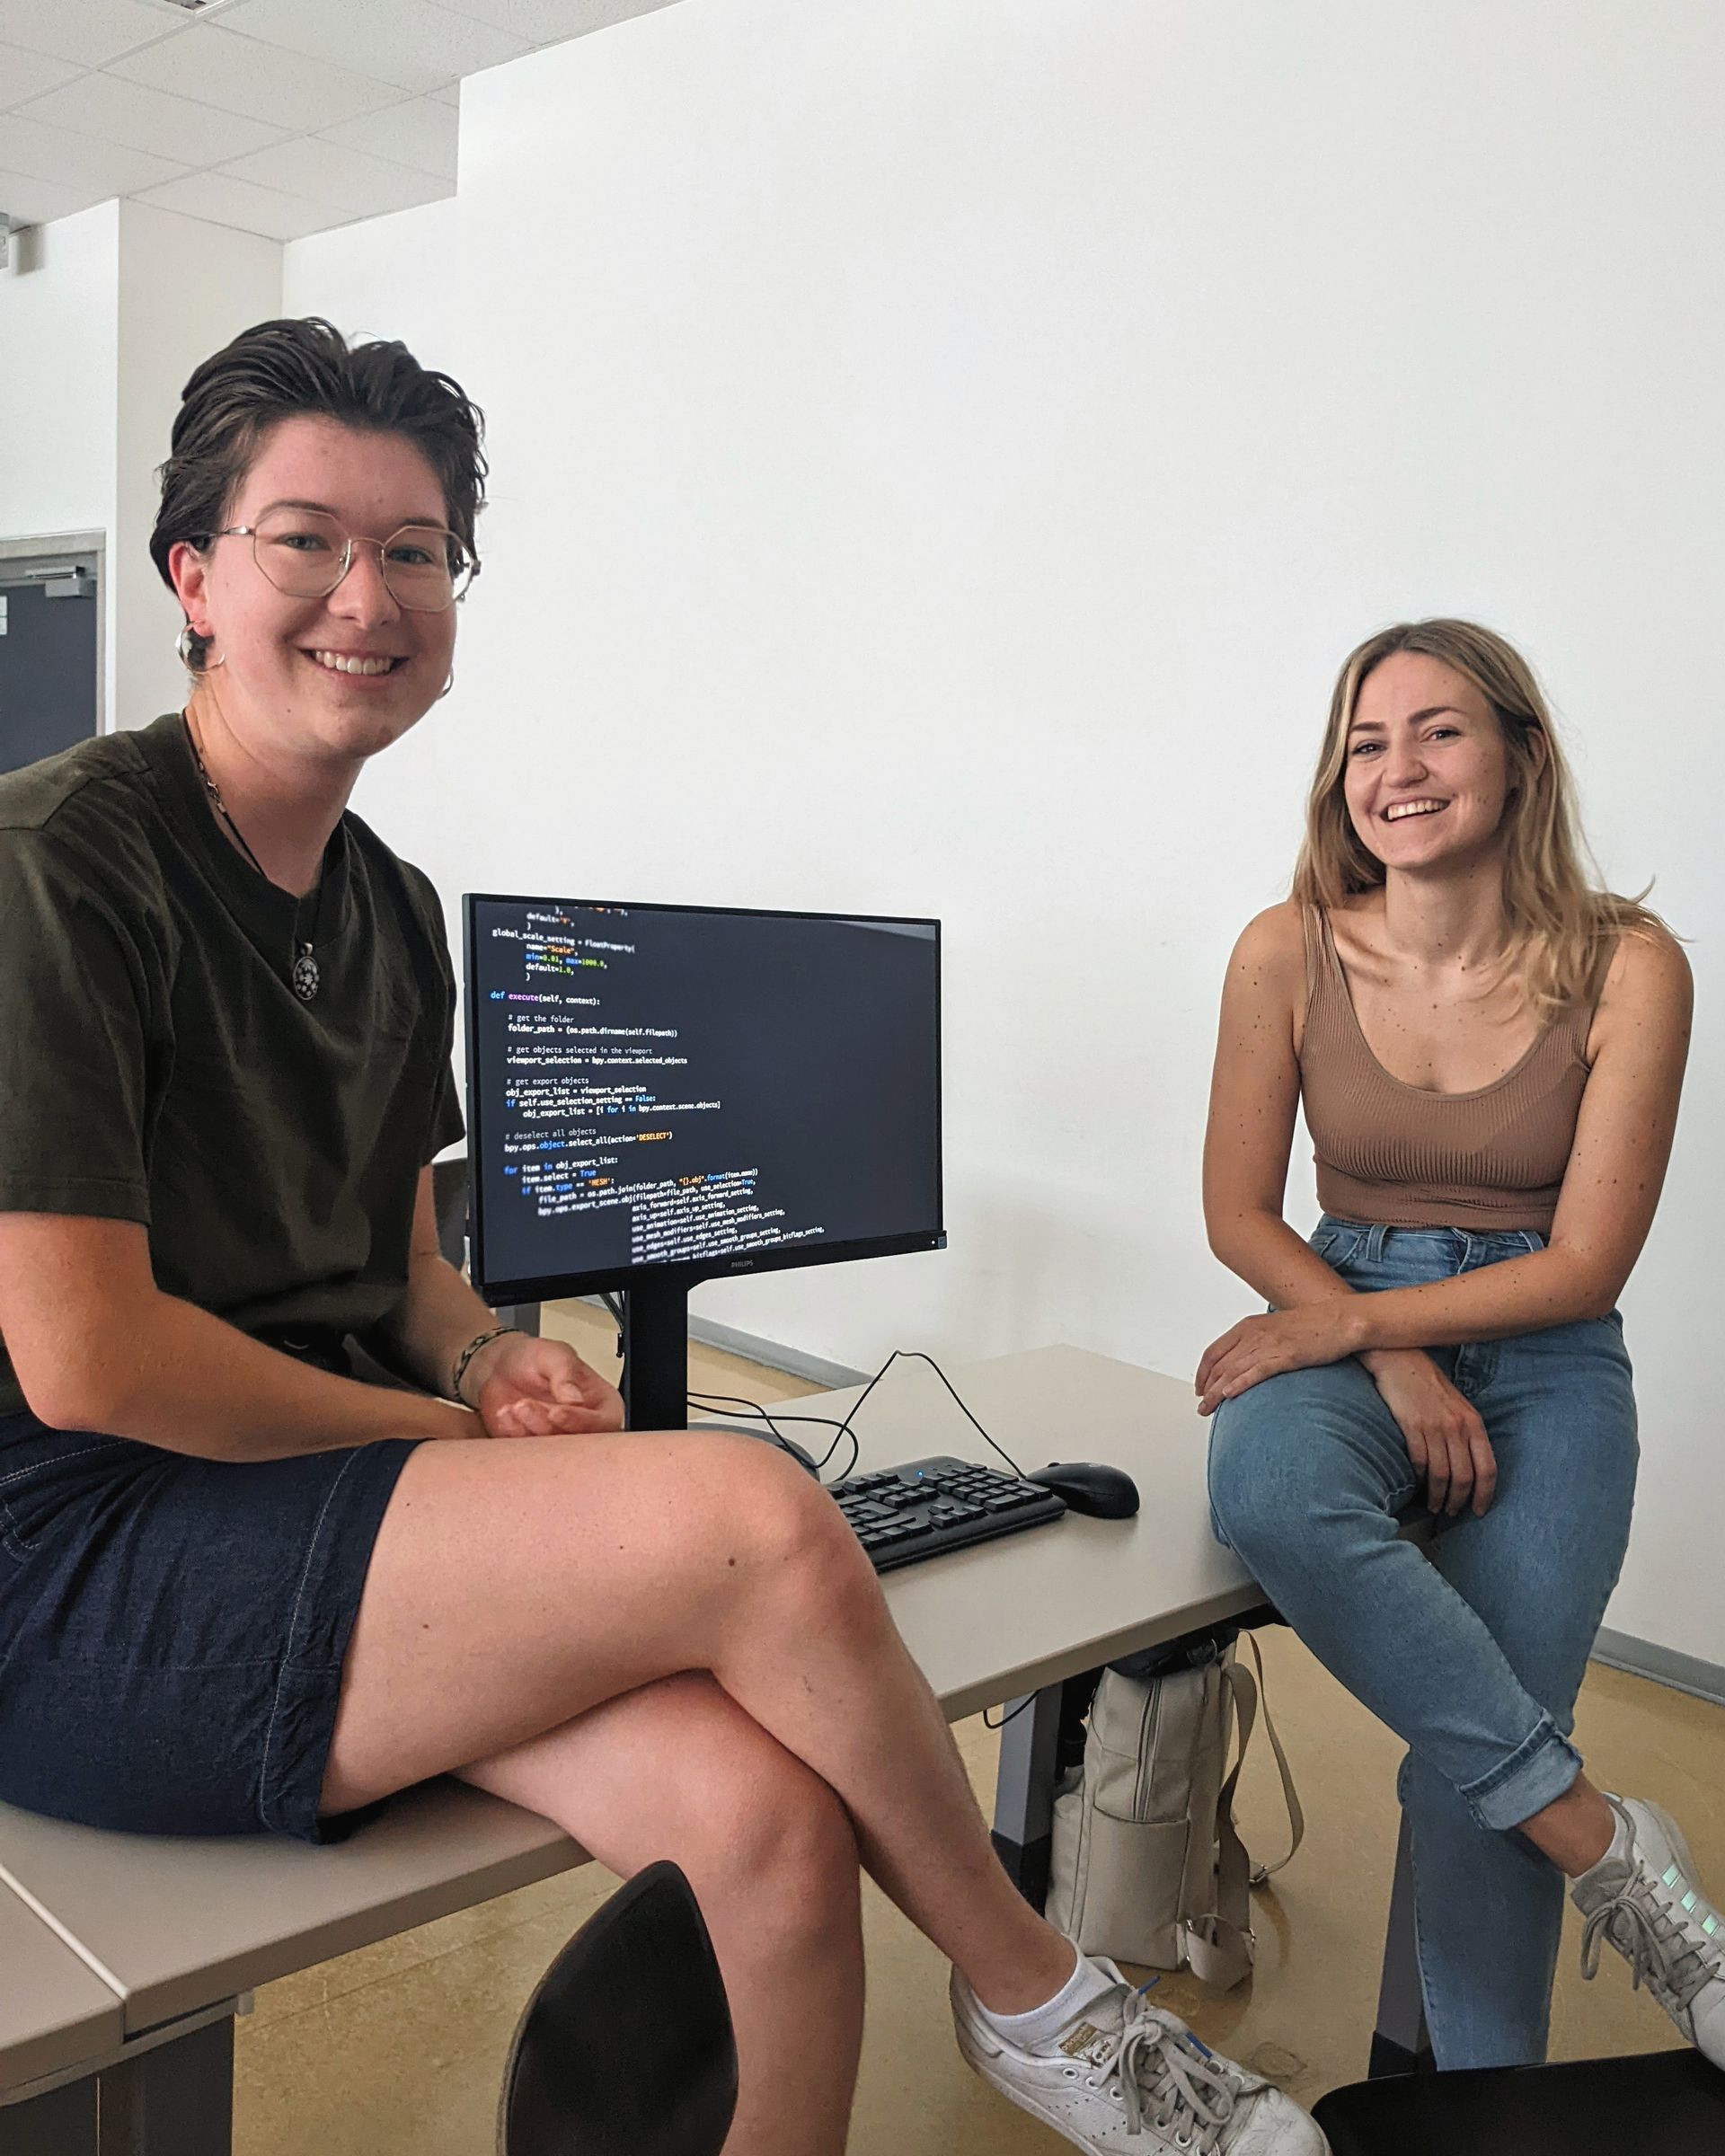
(341, 677)
(1427, 772)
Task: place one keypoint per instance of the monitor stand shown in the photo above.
(656, 1364)
(656, 1356)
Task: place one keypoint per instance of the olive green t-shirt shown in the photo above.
(157, 1065)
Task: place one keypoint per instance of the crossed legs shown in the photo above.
(674, 1646)
(1474, 1657)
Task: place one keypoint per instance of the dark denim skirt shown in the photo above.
(172, 1629)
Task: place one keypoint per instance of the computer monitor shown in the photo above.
(659, 1095)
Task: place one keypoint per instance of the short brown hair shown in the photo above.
(279, 370)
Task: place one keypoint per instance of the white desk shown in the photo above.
(175, 1930)
(1008, 1617)
(54, 2010)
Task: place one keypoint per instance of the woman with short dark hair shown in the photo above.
(240, 1590)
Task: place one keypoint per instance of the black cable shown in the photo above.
(614, 1306)
(915, 1354)
(708, 1401)
(753, 1407)
(1028, 1700)
(725, 1402)
(845, 1429)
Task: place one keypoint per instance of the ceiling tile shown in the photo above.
(406, 42)
(90, 31)
(450, 94)
(28, 73)
(35, 201)
(422, 133)
(215, 67)
(552, 21)
(141, 119)
(78, 161)
(220, 200)
(347, 180)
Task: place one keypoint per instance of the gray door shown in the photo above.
(48, 691)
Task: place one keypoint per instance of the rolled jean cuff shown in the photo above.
(1536, 1773)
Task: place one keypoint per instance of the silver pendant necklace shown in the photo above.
(306, 979)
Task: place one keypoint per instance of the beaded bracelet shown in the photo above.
(483, 1339)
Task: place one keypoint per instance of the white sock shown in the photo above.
(1622, 1833)
(1038, 2025)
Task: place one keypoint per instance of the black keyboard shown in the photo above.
(925, 1507)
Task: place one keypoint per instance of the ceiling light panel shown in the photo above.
(407, 42)
(91, 33)
(213, 65)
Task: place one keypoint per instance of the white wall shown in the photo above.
(58, 312)
(940, 457)
(59, 346)
(100, 322)
(186, 288)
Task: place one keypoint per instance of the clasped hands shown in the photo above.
(527, 1387)
(1442, 1430)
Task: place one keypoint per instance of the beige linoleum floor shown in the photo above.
(398, 2050)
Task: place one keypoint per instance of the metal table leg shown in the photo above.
(62, 2122)
(1023, 1832)
(167, 2092)
(1400, 2042)
(174, 2101)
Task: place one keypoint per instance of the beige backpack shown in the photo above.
(1147, 1865)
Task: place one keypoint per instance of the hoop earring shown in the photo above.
(183, 649)
(445, 690)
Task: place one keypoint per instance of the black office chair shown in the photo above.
(625, 2049)
(1636, 2106)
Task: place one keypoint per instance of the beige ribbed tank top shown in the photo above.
(1402, 1154)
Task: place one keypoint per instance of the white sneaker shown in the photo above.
(1125, 2076)
(1647, 1901)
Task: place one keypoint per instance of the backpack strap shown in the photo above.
(1220, 1947)
(1290, 1795)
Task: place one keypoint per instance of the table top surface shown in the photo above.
(55, 2011)
(175, 1925)
(1003, 1618)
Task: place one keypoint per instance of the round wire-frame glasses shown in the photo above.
(307, 553)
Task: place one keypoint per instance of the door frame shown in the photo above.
(87, 550)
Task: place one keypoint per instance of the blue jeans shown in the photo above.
(1474, 1653)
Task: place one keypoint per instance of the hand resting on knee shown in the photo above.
(1445, 1435)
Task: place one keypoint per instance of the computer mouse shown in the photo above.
(1103, 1493)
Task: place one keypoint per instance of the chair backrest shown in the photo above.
(1645, 2106)
(625, 2049)
(450, 1200)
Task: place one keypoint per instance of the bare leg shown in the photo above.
(514, 1586)
(1574, 1831)
(677, 1770)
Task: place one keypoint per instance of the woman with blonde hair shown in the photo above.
(1490, 1052)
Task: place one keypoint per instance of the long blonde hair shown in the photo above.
(1562, 926)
